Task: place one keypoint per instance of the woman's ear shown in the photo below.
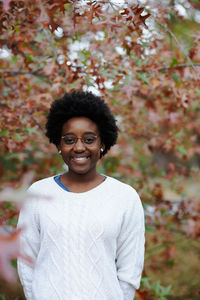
(59, 149)
(102, 148)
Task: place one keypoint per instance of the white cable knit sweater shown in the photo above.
(84, 246)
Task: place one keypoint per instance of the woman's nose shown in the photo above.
(79, 145)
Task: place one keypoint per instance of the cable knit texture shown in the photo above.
(83, 246)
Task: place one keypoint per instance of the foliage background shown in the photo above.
(143, 58)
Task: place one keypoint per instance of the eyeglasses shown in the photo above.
(88, 139)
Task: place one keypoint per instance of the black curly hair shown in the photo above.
(82, 104)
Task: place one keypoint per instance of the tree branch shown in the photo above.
(35, 121)
(30, 113)
(167, 30)
(9, 85)
(156, 247)
(18, 72)
(192, 64)
(53, 49)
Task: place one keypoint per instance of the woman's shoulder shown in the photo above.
(41, 184)
(119, 184)
(126, 194)
(120, 187)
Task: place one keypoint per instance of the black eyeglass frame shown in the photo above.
(82, 139)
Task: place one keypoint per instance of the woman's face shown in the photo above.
(80, 145)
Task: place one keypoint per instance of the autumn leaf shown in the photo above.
(17, 195)
(192, 228)
(50, 68)
(128, 89)
(6, 4)
(9, 249)
(195, 3)
(44, 17)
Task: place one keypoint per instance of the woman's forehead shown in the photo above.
(79, 125)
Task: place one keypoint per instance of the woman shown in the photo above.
(84, 231)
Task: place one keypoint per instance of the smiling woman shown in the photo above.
(80, 147)
(86, 241)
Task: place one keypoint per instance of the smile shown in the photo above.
(80, 159)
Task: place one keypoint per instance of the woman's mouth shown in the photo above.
(81, 159)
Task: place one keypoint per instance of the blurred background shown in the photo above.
(143, 58)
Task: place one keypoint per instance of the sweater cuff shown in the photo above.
(128, 290)
(28, 294)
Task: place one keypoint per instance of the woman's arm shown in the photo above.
(29, 244)
(130, 249)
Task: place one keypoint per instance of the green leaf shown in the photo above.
(143, 111)
(169, 263)
(5, 92)
(30, 58)
(143, 77)
(29, 88)
(181, 149)
(175, 76)
(31, 130)
(77, 37)
(12, 221)
(84, 62)
(163, 211)
(14, 263)
(86, 53)
(39, 37)
(4, 132)
(66, 6)
(10, 205)
(174, 62)
(74, 85)
(137, 60)
(149, 228)
(179, 134)
(144, 44)
(17, 28)
(195, 105)
(14, 59)
(89, 80)
(18, 137)
(167, 244)
(156, 288)
(197, 90)
(145, 282)
(114, 102)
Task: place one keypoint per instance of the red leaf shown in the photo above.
(44, 17)
(128, 89)
(9, 249)
(192, 228)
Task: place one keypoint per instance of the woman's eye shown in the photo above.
(69, 140)
(89, 139)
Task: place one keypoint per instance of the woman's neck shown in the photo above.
(81, 182)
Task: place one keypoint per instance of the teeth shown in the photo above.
(80, 158)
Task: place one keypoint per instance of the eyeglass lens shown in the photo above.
(87, 139)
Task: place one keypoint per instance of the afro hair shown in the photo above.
(81, 104)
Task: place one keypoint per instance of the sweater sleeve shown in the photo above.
(130, 249)
(29, 245)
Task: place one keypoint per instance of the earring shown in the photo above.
(101, 150)
(59, 151)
